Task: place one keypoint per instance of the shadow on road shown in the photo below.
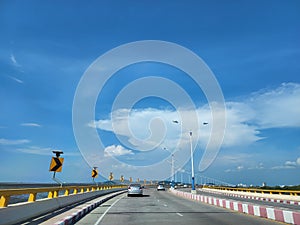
(138, 196)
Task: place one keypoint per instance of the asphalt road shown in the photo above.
(165, 208)
(253, 201)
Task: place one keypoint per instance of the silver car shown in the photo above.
(135, 189)
(161, 187)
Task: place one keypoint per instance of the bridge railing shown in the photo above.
(53, 192)
(256, 190)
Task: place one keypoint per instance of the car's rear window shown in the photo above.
(135, 185)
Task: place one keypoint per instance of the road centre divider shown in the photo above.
(280, 215)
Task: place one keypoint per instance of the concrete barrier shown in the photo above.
(24, 211)
(287, 199)
(280, 215)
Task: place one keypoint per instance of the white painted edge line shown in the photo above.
(99, 220)
(83, 211)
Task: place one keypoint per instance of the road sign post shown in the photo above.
(94, 173)
(56, 165)
(111, 176)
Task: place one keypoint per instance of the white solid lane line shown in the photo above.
(179, 214)
(99, 220)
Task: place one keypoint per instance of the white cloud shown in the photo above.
(278, 107)
(116, 150)
(240, 168)
(36, 150)
(16, 79)
(260, 166)
(14, 61)
(30, 125)
(284, 167)
(4, 141)
(245, 119)
(149, 128)
(288, 165)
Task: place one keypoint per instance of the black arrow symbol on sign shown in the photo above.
(58, 164)
(94, 173)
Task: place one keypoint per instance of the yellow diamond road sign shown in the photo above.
(56, 164)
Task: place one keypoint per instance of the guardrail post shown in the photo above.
(67, 192)
(4, 200)
(55, 195)
(50, 194)
(75, 191)
(32, 197)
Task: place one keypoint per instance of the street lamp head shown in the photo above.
(175, 121)
(205, 123)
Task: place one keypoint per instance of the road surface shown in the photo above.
(165, 208)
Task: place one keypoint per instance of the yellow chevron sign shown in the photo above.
(56, 164)
(94, 173)
(111, 176)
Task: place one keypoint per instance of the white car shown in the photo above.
(161, 187)
(135, 189)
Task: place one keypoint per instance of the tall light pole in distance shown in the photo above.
(193, 191)
(173, 174)
(172, 169)
(192, 162)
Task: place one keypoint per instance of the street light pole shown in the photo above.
(193, 191)
(192, 162)
(172, 178)
(173, 175)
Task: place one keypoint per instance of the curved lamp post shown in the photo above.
(192, 162)
(193, 191)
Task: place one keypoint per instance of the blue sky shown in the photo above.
(252, 47)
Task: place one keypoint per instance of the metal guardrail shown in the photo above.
(256, 190)
(53, 192)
